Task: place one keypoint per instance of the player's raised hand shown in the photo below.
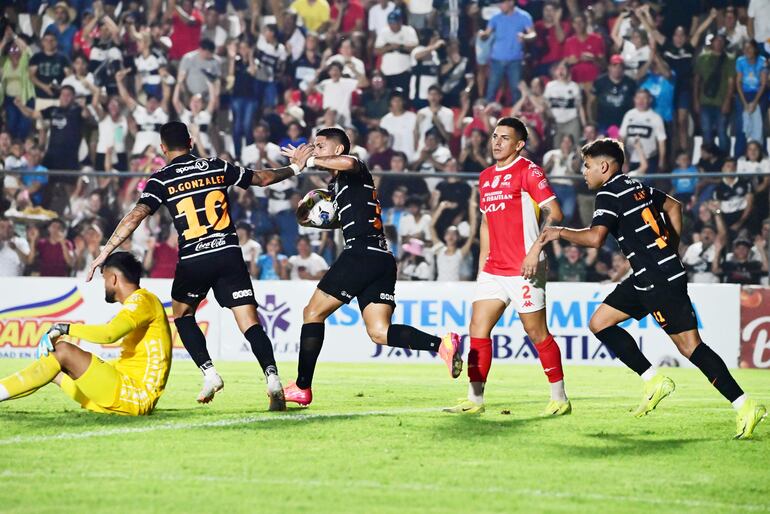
(302, 155)
(288, 151)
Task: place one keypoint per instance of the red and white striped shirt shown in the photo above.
(511, 198)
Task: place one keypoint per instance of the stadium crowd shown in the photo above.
(418, 85)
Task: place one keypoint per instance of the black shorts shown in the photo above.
(369, 275)
(225, 272)
(670, 305)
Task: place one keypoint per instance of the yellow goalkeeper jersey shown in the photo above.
(146, 340)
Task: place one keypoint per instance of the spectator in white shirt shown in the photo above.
(378, 16)
(113, 130)
(566, 104)
(413, 265)
(434, 115)
(400, 123)
(338, 91)
(415, 224)
(306, 265)
(262, 153)
(450, 251)
(647, 126)
(14, 251)
(395, 44)
(352, 66)
(699, 257)
(433, 155)
(250, 249)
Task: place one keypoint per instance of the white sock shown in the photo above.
(649, 374)
(4, 395)
(558, 392)
(476, 392)
(737, 404)
(210, 372)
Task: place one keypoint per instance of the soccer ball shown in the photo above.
(318, 210)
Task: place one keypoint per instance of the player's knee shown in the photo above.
(596, 324)
(479, 330)
(537, 335)
(686, 347)
(310, 314)
(378, 333)
(63, 353)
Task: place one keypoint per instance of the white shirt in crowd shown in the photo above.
(378, 16)
(420, 6)
(148, 67)
(761, 21)
(425, 122)
(338, 96)
(634, 58)
(563, 99)
(419, 271)
(251, 155)
(81, 91)
(10, 263)
(251, 251)
(348, 68)
(418, 86)
(296, 44)
(561, 166)
(409, 227)
(402, 129)
(112, 134)
(746, 166)
(277, 195)
(203, 121)
(447, 266)
(648, 127)
(313, 264)
(700, 261)
(148, 124)
(395, 62)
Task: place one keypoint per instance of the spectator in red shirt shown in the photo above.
(352, 19)
(160, 259)
(54, 255)
(585, 53)
(551, 35)
(186, 23)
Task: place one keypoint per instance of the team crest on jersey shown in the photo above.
(536, 171)
(542, 184)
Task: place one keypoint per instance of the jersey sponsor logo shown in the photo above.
(542, 184)
(210, 244)
(345, 294)
(386, 296)
(528, 303)
(242, 294)
(200, 165)
(640, 131)
(145, 195)
(536, 171)
(189, 185)
(495, 207)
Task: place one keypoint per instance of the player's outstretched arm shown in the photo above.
(592, 237)
(298, 158)
(107, 333)
(334, 162)
(122, 232)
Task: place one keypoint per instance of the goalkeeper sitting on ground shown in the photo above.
(131, 385)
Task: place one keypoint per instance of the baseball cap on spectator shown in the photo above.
(395, 16)
(616, 59)
(414, 246)
(398, 92)
(742, 241)
(296, 112)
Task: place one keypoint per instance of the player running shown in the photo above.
(517, 202)
(365, 269)
(134, 383)
(646, 223)
(195, 192)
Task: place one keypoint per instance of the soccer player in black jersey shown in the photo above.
(365, 269)
(647, 223)
(195, 192)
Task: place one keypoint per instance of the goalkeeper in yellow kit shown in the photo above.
(131, 385)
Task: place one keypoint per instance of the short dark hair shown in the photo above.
(67, 86)
(516, 124)
(59, 221)
(338, 135)
(413, 200)
(435, 87)
(245, 225)
(606, 147)
(175, 135)
(208, 45)
(127, 264)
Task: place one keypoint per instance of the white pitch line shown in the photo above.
(404, 486)
(203, 424)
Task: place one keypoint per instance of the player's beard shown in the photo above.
(109, 296)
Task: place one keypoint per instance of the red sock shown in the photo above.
(479, 359)
(550, 358)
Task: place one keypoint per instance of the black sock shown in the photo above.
(624, 347)
(404, 336)
(194, 341)
(311, 340)
(262, 348)
(716, 371)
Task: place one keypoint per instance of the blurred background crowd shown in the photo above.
(418, 86)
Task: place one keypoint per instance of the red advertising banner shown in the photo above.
(755, 326)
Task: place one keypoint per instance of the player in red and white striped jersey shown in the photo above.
(516, 202)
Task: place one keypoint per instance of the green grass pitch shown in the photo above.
(374, 440)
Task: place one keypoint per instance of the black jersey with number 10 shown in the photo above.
(195, 192)
(632, 213)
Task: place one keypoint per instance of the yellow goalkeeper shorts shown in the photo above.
(102, 388)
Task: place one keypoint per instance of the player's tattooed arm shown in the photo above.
(298, 160)
(123, 231)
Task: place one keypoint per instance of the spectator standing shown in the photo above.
(241, 76)
(415, 223)
(393, 214)
(449, 252)
(713, 91)
(250, 249)
(14, 250)
(759, 24)
(679, 55)
(378, 15)
(347, 19)
(378, 146)
(413, 266)
(400, 124)
(395, 43)
(147, 119)
(306, 264)
(113, 131)
(552, 33)
(62, 27)
(433, 116)
(755, 161)
(751, 85)
(635, 52)
(374, 104)
(271, 57)
(613, 94)
(736, 198)
(262, 153)
(15, 82)
(314, 13)
(434, 154)
(338, 91)
(53, 255)
(558, 163)
(35, 184)
(510, 29)
(186, 23)
(47, 69)
(198, 68)
(212, 30)
(645, 125)
(585, 54)
(474, 157)
(161, 257)
(658, 80)
(87, 245)
(684, 188)
(425, 67)
(572, 265)
(565, 100)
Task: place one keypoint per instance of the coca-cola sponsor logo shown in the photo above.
(210, 244)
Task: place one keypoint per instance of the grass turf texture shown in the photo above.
(338, 456)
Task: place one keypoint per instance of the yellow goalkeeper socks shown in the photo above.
(33, 377)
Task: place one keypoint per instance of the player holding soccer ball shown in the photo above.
(365, 270)
(634, 215)
(195, 192)
(517, 203)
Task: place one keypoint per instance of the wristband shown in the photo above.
(295, 167)
(311, 162)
